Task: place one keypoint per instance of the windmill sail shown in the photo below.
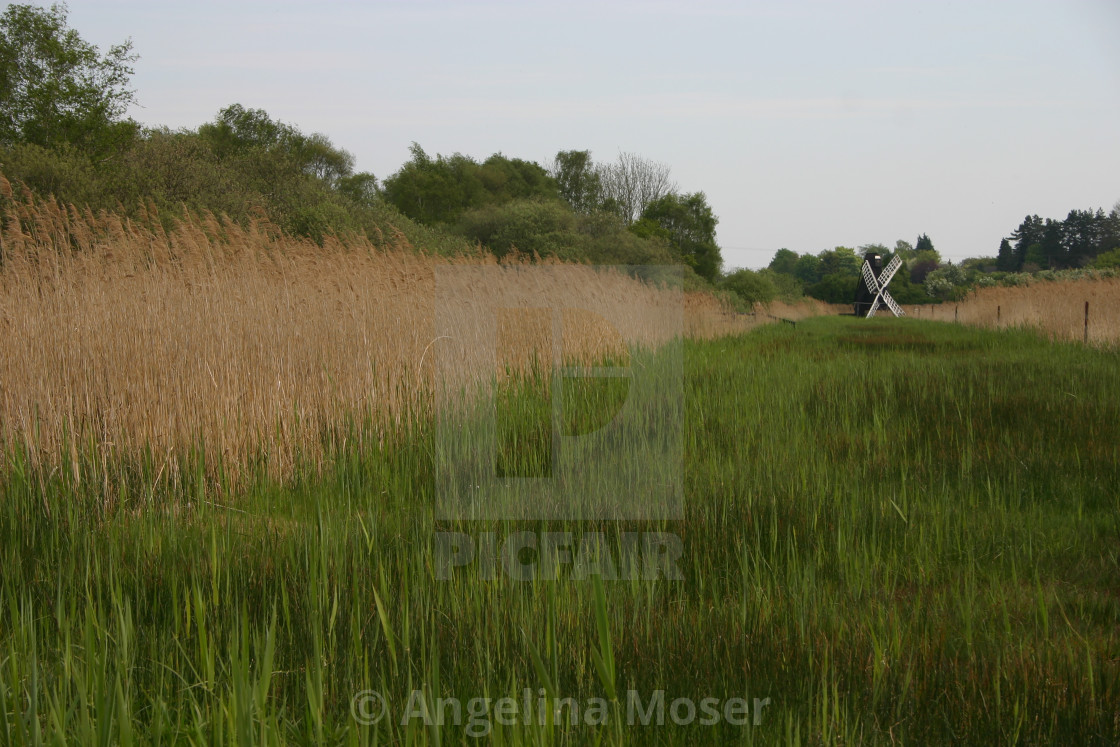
(872, 290)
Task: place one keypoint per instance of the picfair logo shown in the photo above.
(566, 420)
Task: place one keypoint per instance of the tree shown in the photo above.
(361, 188)
(784, 262)
(515, 179)
(1082, 234)
(688, 223)
(1111, 235)
(440, 190)
(845, 261)
(437, 190)
(577, 180)
(1049, 251)
(318, 157)
(631, 183)
(238, 131)
(1028, 234)
(1006, 260)
(923, 244)
(56, 88)
(808, 269)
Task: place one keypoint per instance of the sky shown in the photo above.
(808, 125)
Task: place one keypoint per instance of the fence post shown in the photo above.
(1086, 322)
(956, 313)
(997, 315)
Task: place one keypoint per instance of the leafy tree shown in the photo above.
(318, 157)
(361, 188)
(434, 191)
(577, 180)
(845, 261)
(440, 190)
(808, 269)
(237, 129)
(56, 88)
(515, 179)
(689, 225)
(784, 262)
(239, 132)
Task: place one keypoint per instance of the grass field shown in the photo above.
(893, 531)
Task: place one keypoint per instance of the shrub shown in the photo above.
(752, 287)
(835, 288)
(1108, 259)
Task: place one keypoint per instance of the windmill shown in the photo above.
(872, 289)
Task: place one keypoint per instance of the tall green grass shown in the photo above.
(896, 531)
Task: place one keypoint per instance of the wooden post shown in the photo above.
(956, 313)
(997, 315)
(1086, 322)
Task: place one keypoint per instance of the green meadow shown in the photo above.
(893, 531)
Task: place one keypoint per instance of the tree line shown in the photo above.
(832, 275)
(1086, 238)
(63, 132)
(625, 212)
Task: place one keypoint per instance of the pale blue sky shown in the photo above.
(808, 125)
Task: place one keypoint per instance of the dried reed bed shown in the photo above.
(707, 316)
(1056, 308)
(806, 308)
(121, 338)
